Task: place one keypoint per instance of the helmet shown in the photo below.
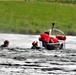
(6, 41)
(34, 43)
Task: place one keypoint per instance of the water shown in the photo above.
(23, 61)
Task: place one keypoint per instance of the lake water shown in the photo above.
(21, 60)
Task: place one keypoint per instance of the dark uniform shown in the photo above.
(6, 43)
(35, 45)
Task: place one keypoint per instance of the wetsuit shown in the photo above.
(35, 47)
(3, 45)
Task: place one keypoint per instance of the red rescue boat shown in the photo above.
(51, 41)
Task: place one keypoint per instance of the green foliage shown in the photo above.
(35, 17)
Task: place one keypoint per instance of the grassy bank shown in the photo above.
(35, 17)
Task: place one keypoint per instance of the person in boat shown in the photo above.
(55, 40)
(35, 45)
(5, 43)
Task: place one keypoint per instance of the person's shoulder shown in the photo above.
(32, 47)
(2, 46)
(38, 47)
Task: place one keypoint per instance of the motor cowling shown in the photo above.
(61, 37)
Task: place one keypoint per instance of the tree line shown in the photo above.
(60, 1)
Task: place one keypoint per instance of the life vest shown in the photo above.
(53, 39)
(46, 38)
